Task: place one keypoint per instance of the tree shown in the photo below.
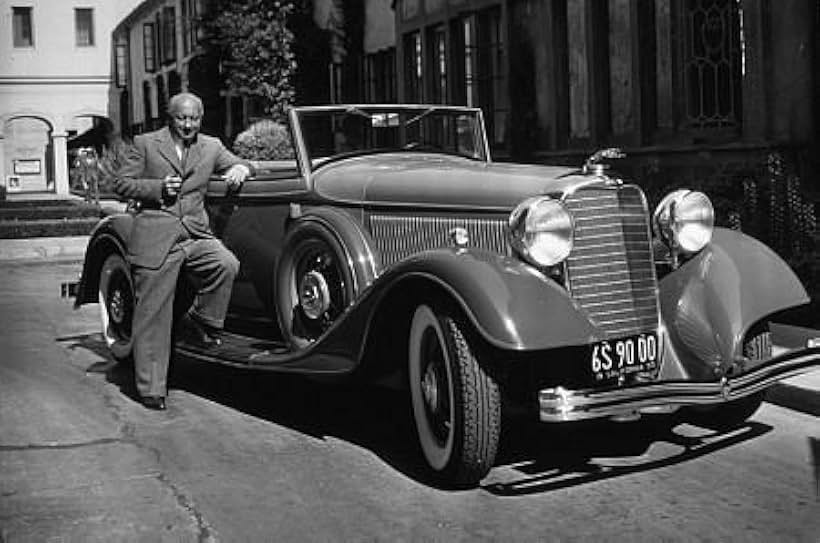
(255, 48)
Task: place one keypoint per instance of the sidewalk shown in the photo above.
(64, 248)
(43, 249)
(800, 393)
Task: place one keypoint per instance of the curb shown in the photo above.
(41, 249)
(792, 394)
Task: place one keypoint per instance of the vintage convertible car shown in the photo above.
(393, 249)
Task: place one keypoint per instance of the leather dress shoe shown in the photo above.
(156, 403)
(197, 334)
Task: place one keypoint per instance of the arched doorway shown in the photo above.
(28, 155)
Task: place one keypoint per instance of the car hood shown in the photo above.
(433, 180)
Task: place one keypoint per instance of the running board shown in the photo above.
(250, 352)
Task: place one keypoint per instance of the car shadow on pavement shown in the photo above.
(592, 451)
(374, 418)
(533, 457)
(540, 458)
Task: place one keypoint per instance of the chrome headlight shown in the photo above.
(685, 220)
(541, 231)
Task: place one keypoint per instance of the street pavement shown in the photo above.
(244, 456)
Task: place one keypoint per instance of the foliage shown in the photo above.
(760, 193)
(255, 47)
(112, 159)
(264, 140)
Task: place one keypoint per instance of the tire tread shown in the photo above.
(481, 409)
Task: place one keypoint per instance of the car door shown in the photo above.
(252, 223)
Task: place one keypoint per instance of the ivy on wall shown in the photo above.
(255, 47)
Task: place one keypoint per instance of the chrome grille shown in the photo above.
(398, 237)
(610, 270)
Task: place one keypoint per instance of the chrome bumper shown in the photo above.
(562, 405)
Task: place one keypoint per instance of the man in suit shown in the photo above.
(166, 172)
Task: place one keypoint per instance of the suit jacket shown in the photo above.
(159, 223)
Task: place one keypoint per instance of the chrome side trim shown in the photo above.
(396, 237)
(562, 405)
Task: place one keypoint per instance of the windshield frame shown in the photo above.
(308, 164)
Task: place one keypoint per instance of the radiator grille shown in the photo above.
(610, 271)
(398, 237)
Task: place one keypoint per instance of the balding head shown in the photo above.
(185, 116)
(178, 100)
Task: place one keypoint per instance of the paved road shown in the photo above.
(246, 457)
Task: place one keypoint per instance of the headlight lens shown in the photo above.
(685, 219)
(541, 231)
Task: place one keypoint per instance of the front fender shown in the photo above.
(511, 304)
(710, 302)
(108, 236)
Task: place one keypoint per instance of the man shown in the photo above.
(167, 173)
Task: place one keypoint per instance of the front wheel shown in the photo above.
(456, 401)
(117, 302)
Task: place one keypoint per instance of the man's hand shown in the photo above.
(171, 186)
(236, 175)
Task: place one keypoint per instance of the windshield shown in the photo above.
(339, 132)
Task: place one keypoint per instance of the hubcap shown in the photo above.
(435, 386)
(116, 306)
(119, 304)
(429, 388)
(314, 295)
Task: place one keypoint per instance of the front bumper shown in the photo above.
(562, 405)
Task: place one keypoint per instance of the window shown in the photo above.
(149, 47)
(190, 25)
(380, 77)
(159, 36)
(121, 62)
(437, 64)
(23, 35)
(479, 62)
(169, 35)
(146, 105)
(470, 56)
(84, 26)
(710, 43)
(492, 83)
(413, 68)
(162, 99)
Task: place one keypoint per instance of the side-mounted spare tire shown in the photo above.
(314, 283)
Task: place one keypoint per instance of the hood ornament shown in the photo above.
(595, 163)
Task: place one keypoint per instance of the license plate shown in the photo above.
(615, 358)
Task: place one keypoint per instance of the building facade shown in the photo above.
(158, 53)
(722, 95)
(55, 69)
(160, 49)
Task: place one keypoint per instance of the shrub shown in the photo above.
(264, 140)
